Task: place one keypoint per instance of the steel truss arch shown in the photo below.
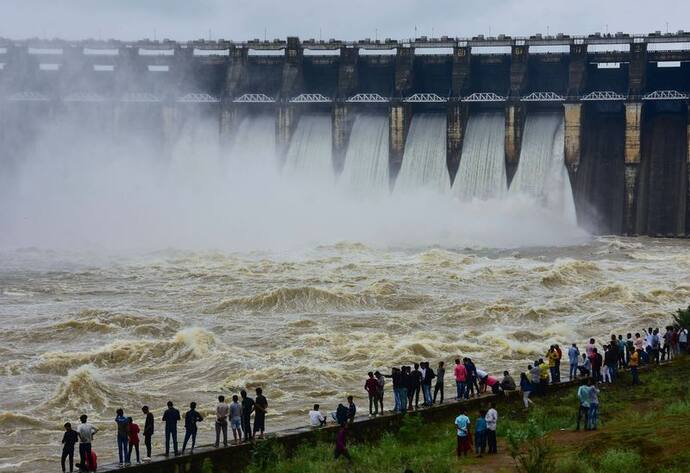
(367, 98)
(484, 97)
(254, 98)
(310, 98)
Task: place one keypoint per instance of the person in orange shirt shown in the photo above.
(634, 364)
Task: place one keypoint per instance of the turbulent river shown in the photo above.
(90, 334)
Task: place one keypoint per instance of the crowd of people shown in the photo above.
(238, 414)
(408, 382)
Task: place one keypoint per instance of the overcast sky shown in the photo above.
(346, 19)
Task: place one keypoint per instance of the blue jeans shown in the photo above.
(122, 451)
(480, 441)
(593, 415)
(189, 434)
(426, 390)
(396, 398)
(403, 399)
(460, 385)
(573, 370)
(170, 433)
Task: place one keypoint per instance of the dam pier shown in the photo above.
(623, 101)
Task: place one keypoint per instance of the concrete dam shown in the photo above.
(605, 117)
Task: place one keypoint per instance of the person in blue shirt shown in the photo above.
(171, 416)
(584, 397)
(462, 425)
(122, 437)
(573, 358)
(480, 434)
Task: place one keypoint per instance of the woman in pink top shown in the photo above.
(460, 378)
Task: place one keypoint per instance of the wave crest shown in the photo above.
(188, 344)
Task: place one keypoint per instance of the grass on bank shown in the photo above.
(644, 428)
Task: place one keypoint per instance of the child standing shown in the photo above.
(133, 438)
(480, 434)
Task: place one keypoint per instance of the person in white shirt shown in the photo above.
(316, 419)
(491, 419)
(86, 432)
(222, 411)
(683, 340)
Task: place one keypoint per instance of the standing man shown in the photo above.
(236, 419)
(573, 358)
(148, 432)
(427, 378)
(381, 381)
(247, 409)
(122, 437)
(634, 363)
(440, 375)
(462, 425)
(584, 397)
(171, 416)
(260, 406)
(86, 432)
(69, 439)
(460, 380)
(416, 384)
(491, 421)
(597, 361)
(191, 417)
(371, 386)
(593, 407)
(222, 411)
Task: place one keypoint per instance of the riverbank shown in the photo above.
(637, 421)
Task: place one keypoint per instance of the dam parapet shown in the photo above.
(624, 100)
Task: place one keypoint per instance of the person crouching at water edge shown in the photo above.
(462, 425)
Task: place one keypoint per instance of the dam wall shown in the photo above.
(624, 100)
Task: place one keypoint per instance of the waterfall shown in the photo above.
(366, 159)
(310, 153)
(424, 161)
(541, 173)
(255, 141)
(482, 172)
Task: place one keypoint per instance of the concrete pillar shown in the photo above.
(687, 182)
(572, 115)
(461, 74)
(513, 138)
(633, 116)
(342, 126)
(400, 118)
(236, 72)
(285, 125)
(347, 72)
(577, 69)
(404, 71)
(458, 113)
(519, 59)
(293, 75)
(637, 71)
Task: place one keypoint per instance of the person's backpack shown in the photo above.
(91, 461)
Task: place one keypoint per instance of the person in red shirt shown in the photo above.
(341, 443)
(460, 379)
(133, 438)
(371, 386)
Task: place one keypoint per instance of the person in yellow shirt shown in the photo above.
(543, 375)
(552, 357)
(634, 363)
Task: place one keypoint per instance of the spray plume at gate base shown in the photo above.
(79, 187)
